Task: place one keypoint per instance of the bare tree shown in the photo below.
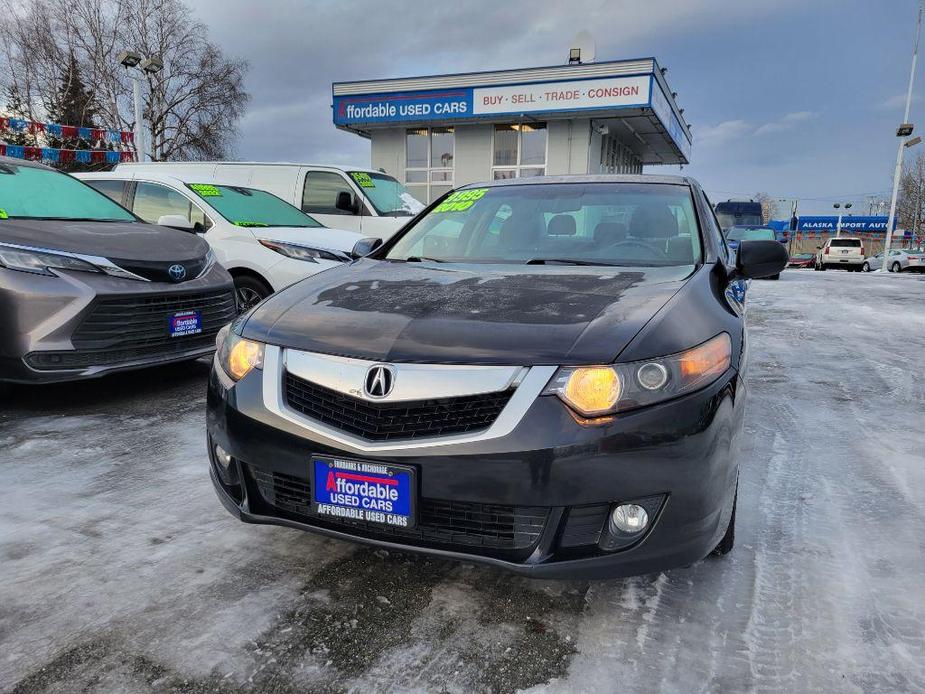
(193, 105)
(769, 206)
(910, 206)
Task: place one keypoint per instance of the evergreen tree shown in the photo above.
(15, 108)
(73, 103)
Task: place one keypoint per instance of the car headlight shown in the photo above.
(313, 255)
(595, 391)
(237, 355)
(41, 261)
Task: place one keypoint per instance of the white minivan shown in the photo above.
(369, 202)
(264, 242)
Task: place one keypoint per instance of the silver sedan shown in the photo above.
(900, 261)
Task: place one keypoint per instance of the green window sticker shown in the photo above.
(249, 224)
(460, 201)
(205, 190)
(363, 179)
(3, 214)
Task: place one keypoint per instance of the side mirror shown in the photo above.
(175, 221)
(818, 248)
(760, 259)
(346, 202)
(364, 247)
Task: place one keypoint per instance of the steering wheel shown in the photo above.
(642, 244)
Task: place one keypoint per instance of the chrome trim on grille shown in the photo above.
(412, 381)
(530, 383)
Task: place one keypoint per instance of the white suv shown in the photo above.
(264, 242)
(842, 252)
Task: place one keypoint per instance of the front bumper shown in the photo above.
(80, 325)
(535, 501)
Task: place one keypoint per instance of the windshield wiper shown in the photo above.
(71, 219)
(421, 258)
(570, 261)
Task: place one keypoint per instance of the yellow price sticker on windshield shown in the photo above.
(250, 224)
(3, 214)
(205, 190)
(461, 200)
(364, 180)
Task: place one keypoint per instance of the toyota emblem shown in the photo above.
(176, 272)
(379, 381)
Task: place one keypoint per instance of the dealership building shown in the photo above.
(438, 132)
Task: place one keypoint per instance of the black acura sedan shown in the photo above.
(543, 374)
(87, 288)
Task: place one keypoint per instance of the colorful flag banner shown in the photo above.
(21, 125)
(55, 155)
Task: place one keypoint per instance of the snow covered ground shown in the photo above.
(120, 571)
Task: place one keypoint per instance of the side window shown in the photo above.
(717, 229)
(319, 195)
(152, 201)
(114, 190)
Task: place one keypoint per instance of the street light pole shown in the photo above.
(904, 132)
(140, 149)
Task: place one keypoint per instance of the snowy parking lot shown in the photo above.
(122, 572)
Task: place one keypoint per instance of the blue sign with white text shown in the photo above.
(403, 106)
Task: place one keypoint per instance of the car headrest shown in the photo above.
(561, 225)
(518, 232)
(653, 222)
(609, 233)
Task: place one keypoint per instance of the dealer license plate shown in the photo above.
(185, 323)
(363, 491)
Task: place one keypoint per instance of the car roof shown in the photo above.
(176, 179)
(585, 178)
(186, 164)
(13, 161)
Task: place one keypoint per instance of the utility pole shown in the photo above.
(904, 131)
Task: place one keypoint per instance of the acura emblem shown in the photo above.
(379, 381)
(176, 272)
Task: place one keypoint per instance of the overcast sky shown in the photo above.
(798, 98)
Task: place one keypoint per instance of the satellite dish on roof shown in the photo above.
(583, 48)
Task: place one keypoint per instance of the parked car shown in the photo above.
(844, 252)
(900, 260)
(87, 288)
(736, 234)
(512, 379)
(802, 260)
(264, 242)
(738, 212)
(368, 202)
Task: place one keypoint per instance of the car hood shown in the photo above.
(114, 240)
(472, 314)
(316, 237)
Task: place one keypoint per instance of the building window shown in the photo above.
(617, 158)
(519, 150)
(429, 154)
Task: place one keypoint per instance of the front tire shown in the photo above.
(865, 267)
(729, 539)
(250, 291)
(897, 268)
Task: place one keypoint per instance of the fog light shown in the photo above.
(630, 518)
(222, 456)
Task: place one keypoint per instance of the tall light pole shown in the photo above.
(903, 133)
(128, 60)
(837, 206)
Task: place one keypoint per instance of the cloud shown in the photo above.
(788, 122)
(897, 102)
(722, 133)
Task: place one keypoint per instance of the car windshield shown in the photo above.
(249, 207)
(387, 196)
(31, 192)
(745, 234)
(569, 224)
